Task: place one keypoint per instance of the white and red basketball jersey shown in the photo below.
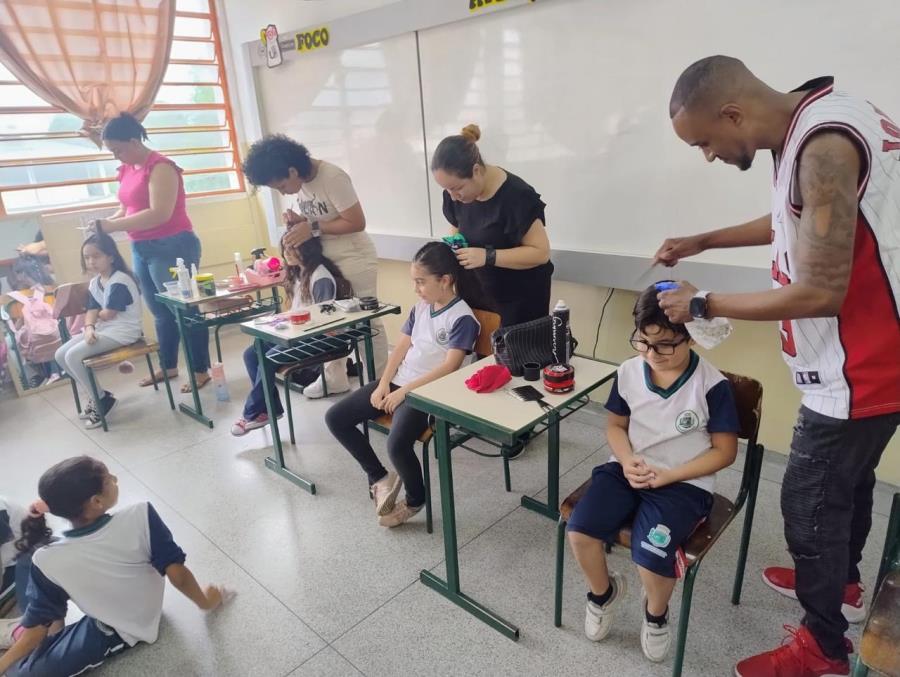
(846, 366)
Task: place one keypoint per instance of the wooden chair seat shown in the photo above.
(386, 420)
(881, 636)
(697, 545)
(137, 349)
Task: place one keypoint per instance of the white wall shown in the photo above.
(241, 21)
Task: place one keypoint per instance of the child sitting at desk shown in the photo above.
(438, 334)
(672, 425)
(311, 277)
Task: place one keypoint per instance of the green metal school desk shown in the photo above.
(188, 315)
(499, 418)
(317, 338)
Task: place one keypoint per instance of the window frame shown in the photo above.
(225, 107)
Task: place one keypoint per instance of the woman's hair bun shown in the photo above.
(471, 132)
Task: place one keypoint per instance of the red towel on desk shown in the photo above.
(488, 379)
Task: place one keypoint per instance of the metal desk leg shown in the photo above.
(197, 412)
(267, 373)
(551, 507)
(370, 357)
(450, 587)
(276, 299)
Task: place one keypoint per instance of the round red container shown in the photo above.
(300, 317)
(559, 378)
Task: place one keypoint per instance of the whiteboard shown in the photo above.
(360, 109)
(572, 95)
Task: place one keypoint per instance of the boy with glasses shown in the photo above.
(672, 425)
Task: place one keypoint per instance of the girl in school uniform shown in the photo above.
(112, 566)
(435, 339)
(311, 277)
(113, 318)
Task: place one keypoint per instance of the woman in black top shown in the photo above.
(502, 219)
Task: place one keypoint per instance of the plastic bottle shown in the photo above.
(195, 289)
(239, 268)
(184, 279)
(562, 333)
(707, 333)
(221, 385)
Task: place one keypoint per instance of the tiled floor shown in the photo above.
(323, 590)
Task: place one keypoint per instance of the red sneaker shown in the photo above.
(800, 657)
(782, 579)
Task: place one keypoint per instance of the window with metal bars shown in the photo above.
(45, 165)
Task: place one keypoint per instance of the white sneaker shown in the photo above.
(336, 377)
(89, 409)
(7, 626)
(598, 619)
(385, 491)
(655, 638)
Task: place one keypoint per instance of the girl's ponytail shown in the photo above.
(35, 531)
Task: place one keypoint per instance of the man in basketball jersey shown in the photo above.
(834, 228)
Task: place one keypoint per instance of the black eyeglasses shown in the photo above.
(662, 348)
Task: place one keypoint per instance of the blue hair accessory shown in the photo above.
(666, 286)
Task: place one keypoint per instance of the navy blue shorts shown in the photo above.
(77, 648)
(661, 519)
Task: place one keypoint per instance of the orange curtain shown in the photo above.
(92, 58)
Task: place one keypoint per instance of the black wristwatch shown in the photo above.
(490, 256)
(699, 308)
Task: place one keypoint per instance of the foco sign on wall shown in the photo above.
(310, 40)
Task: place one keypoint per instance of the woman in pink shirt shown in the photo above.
(152, 212)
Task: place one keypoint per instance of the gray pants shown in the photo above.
(71, 355)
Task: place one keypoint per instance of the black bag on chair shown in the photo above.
(527, 342)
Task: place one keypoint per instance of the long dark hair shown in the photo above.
(270, 159)
(459, 154)
(647, 313)
(65, 488)
(125, 127)
(107, 245)
(439, 259)
(311, 257)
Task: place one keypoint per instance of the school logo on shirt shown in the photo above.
(443, 336)
(687, 421)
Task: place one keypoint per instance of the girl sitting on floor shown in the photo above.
(112, 566)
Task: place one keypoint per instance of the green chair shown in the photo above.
(748, 395)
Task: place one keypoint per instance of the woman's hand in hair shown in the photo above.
(289, 217)
(297, 234)
(471, 257)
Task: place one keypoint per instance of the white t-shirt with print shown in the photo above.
(323, 199)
